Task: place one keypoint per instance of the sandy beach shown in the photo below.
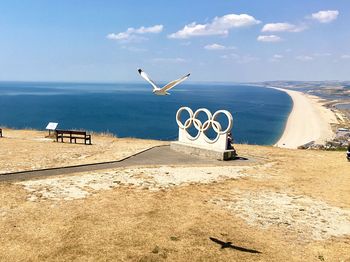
(308, 121)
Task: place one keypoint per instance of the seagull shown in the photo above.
(162, 91)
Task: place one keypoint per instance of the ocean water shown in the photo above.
(131, 110)
(343, 106)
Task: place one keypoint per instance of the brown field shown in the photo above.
(290, 205)
(30, 149)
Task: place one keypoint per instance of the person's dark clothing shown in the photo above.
(229, 142)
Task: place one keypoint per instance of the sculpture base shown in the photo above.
(200, 151)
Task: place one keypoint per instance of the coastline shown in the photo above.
(308, 121)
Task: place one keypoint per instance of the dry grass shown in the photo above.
(129, 223)
(29, 149)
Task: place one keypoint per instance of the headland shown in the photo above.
(267, 207)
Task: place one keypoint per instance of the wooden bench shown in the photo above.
(73, 135)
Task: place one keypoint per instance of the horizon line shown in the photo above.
(138, 81)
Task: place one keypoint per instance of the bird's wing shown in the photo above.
(146, 77)
(174, 83)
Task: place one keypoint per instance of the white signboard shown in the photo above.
(51, 126)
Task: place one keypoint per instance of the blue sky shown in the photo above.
(218, 40)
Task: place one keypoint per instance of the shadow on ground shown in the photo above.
(229, 245)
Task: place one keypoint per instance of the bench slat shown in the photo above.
(73, 135)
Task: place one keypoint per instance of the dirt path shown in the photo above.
(158, 155)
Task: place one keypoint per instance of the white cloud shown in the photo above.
(152, 29)
(185, 43)
(304, 58)
(325, 16)
(247, 59)
(230, 56)
(176, 60)
(240, 59)
(283, 27)
(134, 49)
(269, 38)
(278, 56)
(214, 47)
(345, 56)
(218, 26)
(132, 34)
(322, 54)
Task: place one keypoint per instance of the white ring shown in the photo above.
(188, 122)
(229, 118)
(198, 124)
(202, 127)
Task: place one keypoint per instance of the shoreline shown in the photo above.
(308, 121)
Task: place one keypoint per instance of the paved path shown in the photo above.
(159, 155)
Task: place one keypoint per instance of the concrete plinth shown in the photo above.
(199, 151)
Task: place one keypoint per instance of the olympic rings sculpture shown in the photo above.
(203, 127)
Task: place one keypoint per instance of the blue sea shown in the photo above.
(131, 110)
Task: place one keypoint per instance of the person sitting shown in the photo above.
(229, 145)
(348, 153)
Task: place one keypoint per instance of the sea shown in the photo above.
(131, 110)
(345, 106)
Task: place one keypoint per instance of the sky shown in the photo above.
(214, 40)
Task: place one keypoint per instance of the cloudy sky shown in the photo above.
(215, 40)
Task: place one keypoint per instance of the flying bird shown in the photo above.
(162, 91)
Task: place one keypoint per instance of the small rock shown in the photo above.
(156, 250)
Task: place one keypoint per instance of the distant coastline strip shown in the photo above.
(308, 121)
